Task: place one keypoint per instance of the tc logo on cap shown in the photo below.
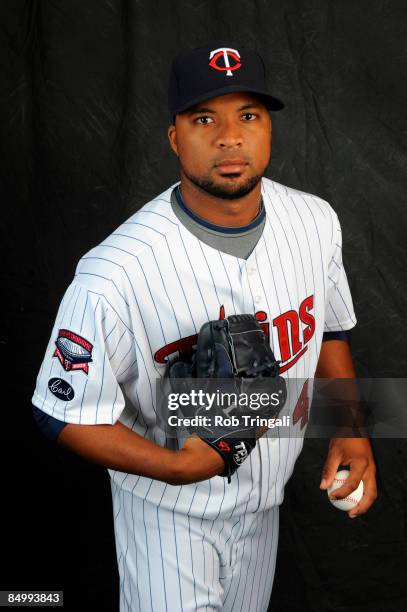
(226, 53)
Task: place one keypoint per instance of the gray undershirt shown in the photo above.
(239, 244)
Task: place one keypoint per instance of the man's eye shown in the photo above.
(249, 116)
(203, 120)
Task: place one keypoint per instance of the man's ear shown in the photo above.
(172, 137)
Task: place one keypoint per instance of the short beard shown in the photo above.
(221, 192)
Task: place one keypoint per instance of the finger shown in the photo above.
(369, 496)
(357, 470)
(330, 468)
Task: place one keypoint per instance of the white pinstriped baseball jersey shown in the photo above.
(139, 297)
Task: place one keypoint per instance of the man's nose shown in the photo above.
(229, 135)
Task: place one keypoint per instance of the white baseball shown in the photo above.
(352, 499)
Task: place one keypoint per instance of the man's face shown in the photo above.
(223, 144)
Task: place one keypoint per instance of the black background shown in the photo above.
(83, 145)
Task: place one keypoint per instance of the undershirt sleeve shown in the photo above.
(340, 335)
(48, 425)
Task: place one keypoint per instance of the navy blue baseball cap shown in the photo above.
(215, 69)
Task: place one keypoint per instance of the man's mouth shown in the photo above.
(231, 166)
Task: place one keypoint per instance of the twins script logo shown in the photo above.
(227, 54)
(294, 328)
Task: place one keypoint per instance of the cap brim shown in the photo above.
(271, 102)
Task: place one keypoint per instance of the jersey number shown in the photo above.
(301, 410)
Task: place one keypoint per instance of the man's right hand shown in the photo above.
(198, 461)
(117, 447)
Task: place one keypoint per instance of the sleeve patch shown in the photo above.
(61, 389)
(73, 351)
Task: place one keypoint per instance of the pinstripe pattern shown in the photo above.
(204, 546)
(198, 568)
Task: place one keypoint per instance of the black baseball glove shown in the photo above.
(236, 351)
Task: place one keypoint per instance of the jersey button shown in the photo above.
(257, 299)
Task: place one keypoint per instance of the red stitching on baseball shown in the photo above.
(351, 499)
(348, 498)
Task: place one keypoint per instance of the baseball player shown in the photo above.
(224, 240)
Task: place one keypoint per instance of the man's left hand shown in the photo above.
(357, 454)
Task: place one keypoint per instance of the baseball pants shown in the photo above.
(174, 562)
